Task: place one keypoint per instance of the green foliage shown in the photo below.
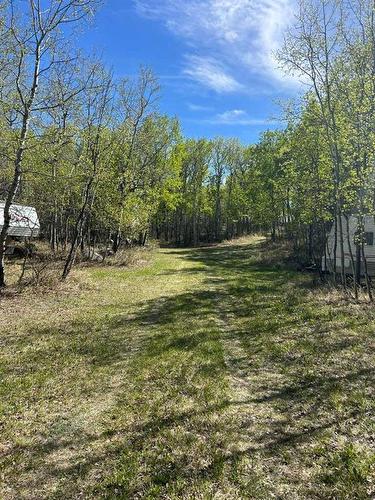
(120, 170)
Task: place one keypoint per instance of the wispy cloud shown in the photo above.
(211, 74)
(198, 107)
(238, 117)
(242, 34)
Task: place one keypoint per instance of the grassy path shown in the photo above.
(209, 373)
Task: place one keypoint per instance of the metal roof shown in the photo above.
(24, 222)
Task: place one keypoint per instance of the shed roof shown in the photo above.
(24, 222)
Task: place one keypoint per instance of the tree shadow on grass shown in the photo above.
(291, 368)
(300, 383)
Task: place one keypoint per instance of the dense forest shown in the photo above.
(105, 168)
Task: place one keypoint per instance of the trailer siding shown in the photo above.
(369, 224)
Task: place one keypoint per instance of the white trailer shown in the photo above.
(350, 238)
(24, 221)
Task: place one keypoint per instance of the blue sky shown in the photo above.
(214, 58)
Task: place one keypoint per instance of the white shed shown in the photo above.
(349, 239)
(24, 221)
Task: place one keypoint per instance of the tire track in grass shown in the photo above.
(256, 427)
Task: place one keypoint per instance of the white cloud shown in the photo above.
(210, 73)
(237, 117)
(242, 34)
(198, 107)
(231, 116)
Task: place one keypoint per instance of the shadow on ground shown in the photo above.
(239, 385)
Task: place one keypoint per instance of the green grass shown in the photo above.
(208, 373)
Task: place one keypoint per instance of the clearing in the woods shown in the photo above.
(207, 373)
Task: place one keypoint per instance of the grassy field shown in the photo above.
(206, 373)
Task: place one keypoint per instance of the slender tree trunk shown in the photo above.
(18, 161)
(352, 261)
(10, 198)
(77, 234)
(116, 240)
(335, 251)
(342, 254)
(368, 281)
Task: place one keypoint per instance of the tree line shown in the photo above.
(331, 46)
(104, 167)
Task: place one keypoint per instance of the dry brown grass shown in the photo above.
(133, 257)
(41, 273)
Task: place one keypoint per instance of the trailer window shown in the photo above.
(369, 239)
